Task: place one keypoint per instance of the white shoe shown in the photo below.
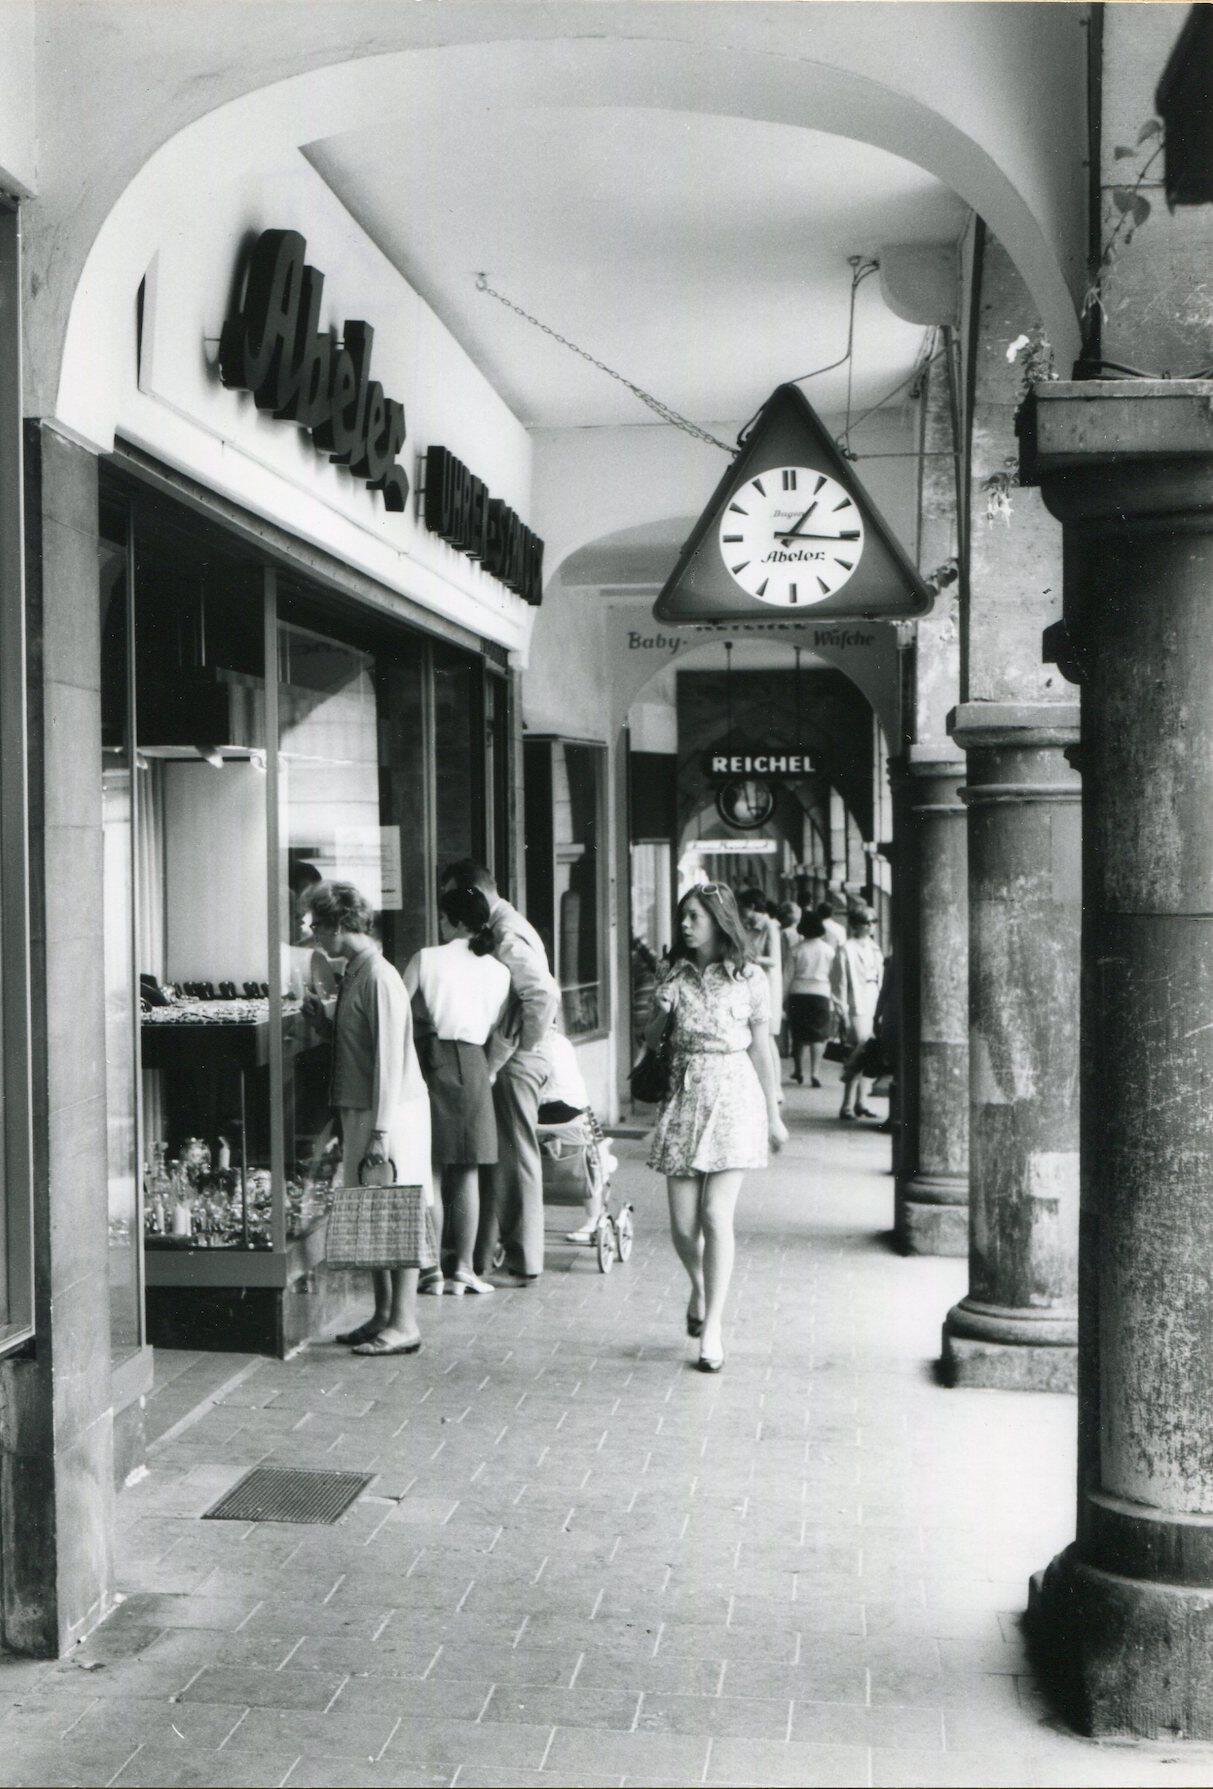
(431, 1283)
(459, 1283)
(586, 1234)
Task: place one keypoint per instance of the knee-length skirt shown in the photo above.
(461, 1103)
(715, 1117)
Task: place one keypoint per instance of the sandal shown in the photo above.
(459, 1283)
(378, 1345)
(431, 1282)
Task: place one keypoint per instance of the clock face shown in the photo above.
(791, 536)
(745, 803)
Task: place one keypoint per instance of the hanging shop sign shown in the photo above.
(746, 802)
(791, 528)
(460, 510)
(735, 847)
(767, 761)
(274, 347)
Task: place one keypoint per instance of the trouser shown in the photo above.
(516, 1214)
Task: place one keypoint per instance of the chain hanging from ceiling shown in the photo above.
(646, 397)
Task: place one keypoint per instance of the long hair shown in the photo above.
(718, 901)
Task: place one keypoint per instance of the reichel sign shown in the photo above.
(769, 762)
(275, 348)
(790, 530)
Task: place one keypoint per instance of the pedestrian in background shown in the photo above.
(827, 913)
(712, 1007)
(855, 978)
(810, 999)
(377, 1091)
(460, 992)
(518, 1070)
(766, 950)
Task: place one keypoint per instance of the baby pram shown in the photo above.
(578, 1163)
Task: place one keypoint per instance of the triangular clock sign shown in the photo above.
(790, 530)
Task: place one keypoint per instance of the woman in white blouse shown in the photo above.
(459, 992)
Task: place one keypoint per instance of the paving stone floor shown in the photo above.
(581, 1562)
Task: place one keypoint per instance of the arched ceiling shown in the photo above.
(678, 182)
(704, 256)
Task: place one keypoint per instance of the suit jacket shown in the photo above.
(534, 996)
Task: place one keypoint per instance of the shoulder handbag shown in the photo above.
(380, 1225)
(650, 1079)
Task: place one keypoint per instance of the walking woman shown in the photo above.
(809, 1002)
(459, 992)
(855, 979)
(722, 1107)
(377, 1090)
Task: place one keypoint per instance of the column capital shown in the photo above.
(1017, 726)
(1123, 454)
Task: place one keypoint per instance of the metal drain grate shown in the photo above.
(289, 1494)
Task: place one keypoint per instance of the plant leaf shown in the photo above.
(1122, 198)
(1140, 209)
(1121, 151)
(1151, 128)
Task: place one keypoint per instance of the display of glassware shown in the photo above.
(194, 1199)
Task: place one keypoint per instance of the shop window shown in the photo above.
(497, 778)
(565, 791)
(256, 739)
(125, 1258)
(459, 756)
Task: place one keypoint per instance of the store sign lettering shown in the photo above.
(459, 509)
(772, 762)
(275, 348)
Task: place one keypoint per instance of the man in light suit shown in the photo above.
(519, 1070)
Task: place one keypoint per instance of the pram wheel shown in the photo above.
(624, 1232)
(604, 1242)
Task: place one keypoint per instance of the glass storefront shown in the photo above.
(567, 872)
(364, 756)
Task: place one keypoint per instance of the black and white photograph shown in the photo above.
(606, 894)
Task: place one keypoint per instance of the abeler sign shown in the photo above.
(275, 348)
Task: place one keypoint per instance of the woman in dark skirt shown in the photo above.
(808, 1000)
(459, 992)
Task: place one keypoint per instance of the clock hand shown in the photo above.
(794, 534)
(801, 520)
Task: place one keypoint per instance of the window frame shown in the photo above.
(16, 1079)
(544, 857)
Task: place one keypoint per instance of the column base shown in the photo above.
(1125, 1657)
(1009, 1350)
(931, 1215)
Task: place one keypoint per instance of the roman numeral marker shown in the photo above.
(849, 534)
(792, 593)
(729, 539)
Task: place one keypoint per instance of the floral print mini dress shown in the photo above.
(715, 1117)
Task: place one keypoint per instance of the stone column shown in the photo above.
(1018, 1326)
(931, 1203)
(56, 1400)
(1125, 1616)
